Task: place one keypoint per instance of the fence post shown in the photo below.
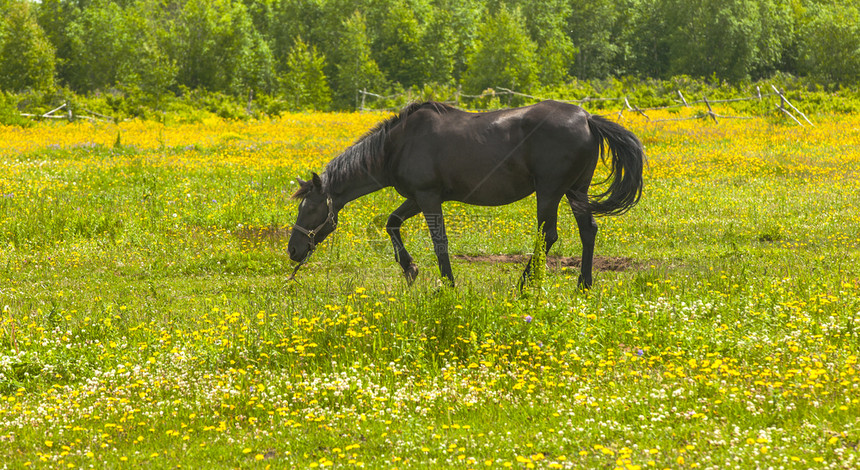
(635, 108)
(785, 100)
(781, 107)
(710, 111)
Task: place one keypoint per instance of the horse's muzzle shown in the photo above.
(299, 255)
(294, 255)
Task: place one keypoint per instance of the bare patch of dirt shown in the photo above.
(601, 263)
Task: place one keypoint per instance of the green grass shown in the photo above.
(147, 320)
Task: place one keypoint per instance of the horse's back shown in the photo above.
(453, 128)
(494, 157)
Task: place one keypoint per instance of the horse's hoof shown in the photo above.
(583, 285)
(410, 273)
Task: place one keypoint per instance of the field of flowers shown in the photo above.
(147, 321)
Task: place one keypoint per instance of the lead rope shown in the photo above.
(293, 275)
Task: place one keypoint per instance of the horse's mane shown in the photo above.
(367, 154)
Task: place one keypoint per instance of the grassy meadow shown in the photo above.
(147, 321)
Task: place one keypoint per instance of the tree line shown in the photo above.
(318, 53)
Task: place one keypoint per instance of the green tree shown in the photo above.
(504, 54)
(647, 37)
(776, 45)
(305, 85)
(27, 58)
(307, 19)
(214, 44)
(355, 70)
(262, 14)
(729, 39)
(546, 21)
(259, 69)
(145, 63)
(54, 17)
(464, 18)
(830, 48)
(439, 48)
(596, 29)
(98, 44)
(258, 66)
(557, 56)
(111, 46)
(398, 46)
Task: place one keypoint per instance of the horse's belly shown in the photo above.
(497, 199)
(458, 171)
(490, 190)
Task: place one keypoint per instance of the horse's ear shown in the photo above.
(304, 187)
(316, 180)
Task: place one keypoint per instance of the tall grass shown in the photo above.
(146, 318)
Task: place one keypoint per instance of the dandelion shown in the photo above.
(243, 357)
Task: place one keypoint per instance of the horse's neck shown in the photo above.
(356, 187)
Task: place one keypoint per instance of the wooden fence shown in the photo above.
(65, 111)
(783, 106)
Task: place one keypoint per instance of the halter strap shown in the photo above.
(312, 233)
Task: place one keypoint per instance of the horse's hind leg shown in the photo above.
(547, 216)
(587, 234)
(395, 221)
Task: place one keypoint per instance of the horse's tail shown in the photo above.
(625, 175)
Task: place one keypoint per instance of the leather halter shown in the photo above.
(311, 234)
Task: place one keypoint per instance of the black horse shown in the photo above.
(432, 153)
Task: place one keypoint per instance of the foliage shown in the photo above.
(214, 41)
(355, 69)
(9, 114)
(504, 55)
(594, 27)
(240, 48)
(305, 85)
(26, 55)
(830, 49)
(440, 59)
(545, 21)
(100, 44)
(398, 45)
(736, 26)
(464, 18)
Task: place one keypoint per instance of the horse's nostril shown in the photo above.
(292, 251)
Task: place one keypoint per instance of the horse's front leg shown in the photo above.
(395, 221)
(431, 206)
(436, 224)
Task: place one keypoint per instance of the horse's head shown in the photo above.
(316, 220)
